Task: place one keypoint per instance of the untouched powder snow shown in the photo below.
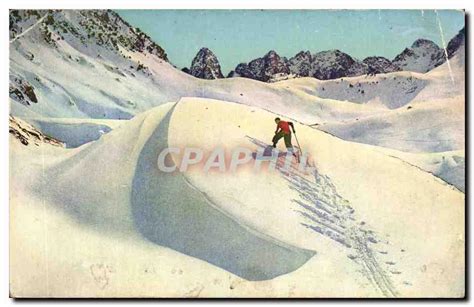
(363, 224)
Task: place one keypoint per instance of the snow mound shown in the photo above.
(172, 211)
(166, 209)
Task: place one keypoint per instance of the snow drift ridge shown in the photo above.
(165, 208)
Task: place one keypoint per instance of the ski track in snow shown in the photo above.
(328, 214)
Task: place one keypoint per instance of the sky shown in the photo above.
(237, 36)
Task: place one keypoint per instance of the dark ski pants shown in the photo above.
(286, 137)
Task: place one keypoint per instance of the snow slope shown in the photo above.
(432, 122)
(389, 91)
(356, 227)
(75, 132)
(428, 129)
(73, 76)
(449, 166)
(433, 127)
(87, 92)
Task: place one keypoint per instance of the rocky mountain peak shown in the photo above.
(205, 65)
(271, 54)
(424, 43)
(333, 64)
(303, 55)
(300, 64)
(274, 65)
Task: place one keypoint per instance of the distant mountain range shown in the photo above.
(86, 63)
(422, 56)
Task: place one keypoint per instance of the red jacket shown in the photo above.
(284, 126)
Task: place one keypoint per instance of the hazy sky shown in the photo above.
(242, 35)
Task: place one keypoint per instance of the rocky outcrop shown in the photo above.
(22, 91)
(27, 134)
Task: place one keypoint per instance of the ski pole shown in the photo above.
(297, 142)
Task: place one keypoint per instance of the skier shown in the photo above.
(283, 131)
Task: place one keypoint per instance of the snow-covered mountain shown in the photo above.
(84, 29)
(205, 65)
(69, 61)
(86, 71)
(87, 68)
(94, 78)
(423, 56)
